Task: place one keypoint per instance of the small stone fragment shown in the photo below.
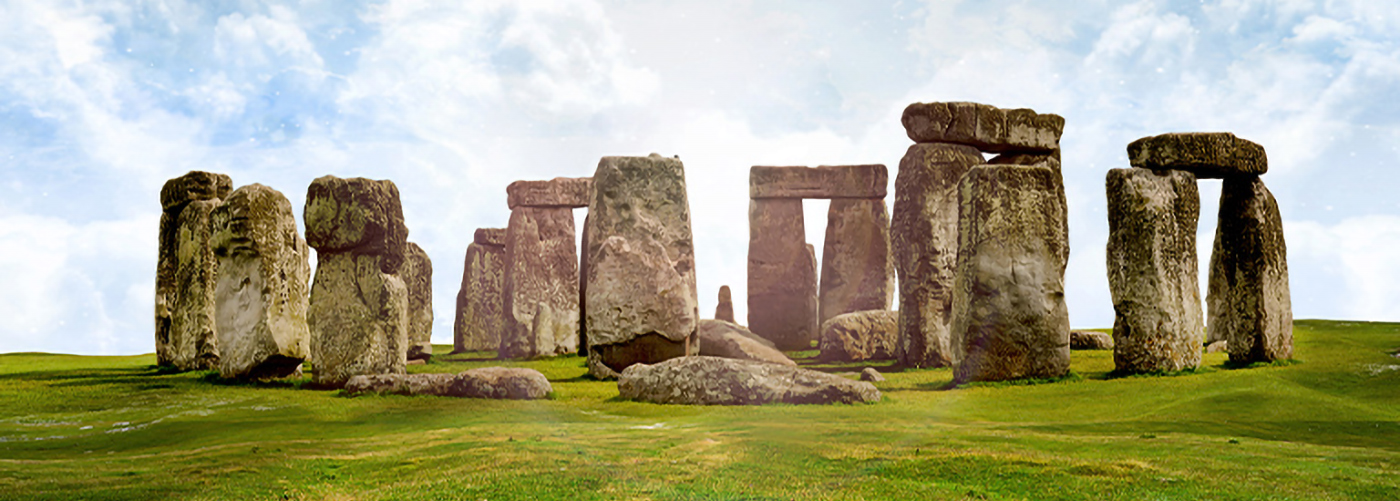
(984, 127)
(719, 338)
(827, 181)
(862, 335)
(727, 381)
(1249, 302)
(1208, 155)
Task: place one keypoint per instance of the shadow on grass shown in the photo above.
(1116, 374)
(1232, 365)
(1070, 377)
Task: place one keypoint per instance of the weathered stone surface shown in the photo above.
(719, 338)
(984, 127)
(261, 289)
(357, 215)
(358, 312)
(570, 192)
(1152, 270)
(1218, 346)
(1090, 340)
(641, 300)
(827, 181)
(185, 272)
(857, 264)
(486, 382)
(541, 269)
(480, 312)
(417, 276)
(782, 275)
(727, 381)
(871, 375)
(861, 335)
(725, 309)
(1009, 317)
(1209, 155)
(924, 234)
(1249, 302)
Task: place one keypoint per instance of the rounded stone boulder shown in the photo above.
(862, 335)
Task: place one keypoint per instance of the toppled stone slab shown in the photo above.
(1208, 155)
(480, 312)
(871, 375)
(985, 127)
(827, 181)
(924, 235)
(541, 270)
(862, 335)
(489, 382)
(261, 289)
(1218, 346)
(724, 310)
(723, 339)
(641, 302)
(1249, 301)
(185, 272)
(570, 192)
(782, 275)
(727, 381)
(358, 312)
(857, 263)
(417, 276)
(1009, 314)
(1152, 270)
(1090, 340)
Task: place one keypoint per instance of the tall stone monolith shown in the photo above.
(782, 279)
(724, 310)
(186, 336)
(541, 268)
(640, 277)
(261, 289)
(417, 276)
(1249, 303)
(480, 317)
(857, 264)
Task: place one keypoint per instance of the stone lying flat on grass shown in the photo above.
(1210, 155)
(725, 381)
(729, 340)
(862, 335)
(488, 382)
(871, 375)
(984, 127)
(1090, 340)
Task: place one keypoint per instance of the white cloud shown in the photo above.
(1363, 250)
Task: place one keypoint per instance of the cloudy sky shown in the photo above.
(102, 101)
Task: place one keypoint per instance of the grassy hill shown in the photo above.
(1326, 427)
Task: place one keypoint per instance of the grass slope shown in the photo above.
(1327, 427)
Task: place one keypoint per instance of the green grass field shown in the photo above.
(1326, 427)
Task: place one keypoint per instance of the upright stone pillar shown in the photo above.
(542, 268)
(358, 310)
(725, 309)
(186, 337)
(857, 265)
(480, 315)
(1249, 300)
(1009, 316)
(262, 285)
(1152, 270)
(640, 276)
(782, 281)
(924, 231)
(417, 276)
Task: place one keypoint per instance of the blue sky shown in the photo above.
(102, 101)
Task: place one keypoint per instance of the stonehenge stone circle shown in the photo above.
(480, 318)
(1009, 315)
(417, 276)
(640, 297)
(782, 278)
(186, 270)
(719, 338)
(541, 268)
(261, 288)
(861, 335)
(1208, 155)
(984, 127)
(1249, 302)
(1152, 270)
(358, 313)
(725, 309)
(924, 234)
(728, 381)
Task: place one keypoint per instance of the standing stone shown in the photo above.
(262, 285)
(782, 277)
(725, 309)
(1249, 302)
(641, 298)
(417, 276)
(186, 270)
(1009, 317)
(1152, 270)
(857, 266)
(541, 268)
(359, 308)
(479, 302)
(924, 233)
